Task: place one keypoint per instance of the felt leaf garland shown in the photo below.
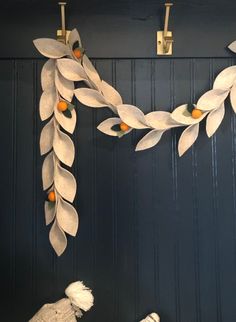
(214, 120)
(132, 116)
(48, 171)
(51, 48)
(57, 78)
(71, 70)
(57, 238)
(149, 140)
(187, 138)
(64, 86)
(46, 104)
(48, 74)
(90, 97)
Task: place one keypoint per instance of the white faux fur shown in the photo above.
(80, 295)
(153, 317)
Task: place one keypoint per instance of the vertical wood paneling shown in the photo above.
(157, 233)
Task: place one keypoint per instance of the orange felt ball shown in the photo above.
(62, 106)
(124, 127)
(196, 113)
(78, 53)
(52, 196)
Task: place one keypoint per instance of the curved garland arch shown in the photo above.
(59, 73)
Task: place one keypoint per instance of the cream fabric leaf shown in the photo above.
(47, 102)
(182, 116)
(149, 140)
(110, 93)
(46, 137)
(50, 48)
(71, 69)
(67, 217)
(91, 71)
(50, 212)
(105, 126)
(161, 120)
(63, 147)
(66, 123)
(225, 79)
(214, 120)
(64, 86)
(57, 238)
(187, 138)
(132, 116)
(65, 183)
(233, 97)
(48, 74)
(48, 171)
(212, 99)
(73, 37)
(232, 46)
(90, 97)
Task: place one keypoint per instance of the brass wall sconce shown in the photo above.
(63, 34)
(165, 38)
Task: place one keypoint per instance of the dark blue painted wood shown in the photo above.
(157, 233)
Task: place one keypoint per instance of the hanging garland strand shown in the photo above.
(67, 64)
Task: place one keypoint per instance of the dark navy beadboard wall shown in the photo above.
(157, 232)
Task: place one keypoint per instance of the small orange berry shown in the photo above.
(78, 53)
(124, 127)
(62, 106)
(196, 113)
(52, 196)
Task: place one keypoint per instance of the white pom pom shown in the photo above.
(153, 317)
(80, 295)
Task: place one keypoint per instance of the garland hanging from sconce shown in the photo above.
(67, 64)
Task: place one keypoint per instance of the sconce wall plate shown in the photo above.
(160, 43)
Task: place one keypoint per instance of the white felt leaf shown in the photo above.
(64, 86)
(48, 171)
(63, 147)
(48, 74)
(105, 126)
(50, 48)
(47, 102)
(71, 69)
(187, 138)
(65, 183)
(57, 238)
(111, 95)
(91, 71)
(161, 120)
(233, 97)
(73, 37)
(67, 123)
(212, 99)
(67, 217)
(225, 79)
(232, 46)
(132, 116)
(90, 97)
(149, 140)
(50, 211)
(214, 120)
(181, 115)
(46, 137)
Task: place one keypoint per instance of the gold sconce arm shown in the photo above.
(165, 38)
(62, 34)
